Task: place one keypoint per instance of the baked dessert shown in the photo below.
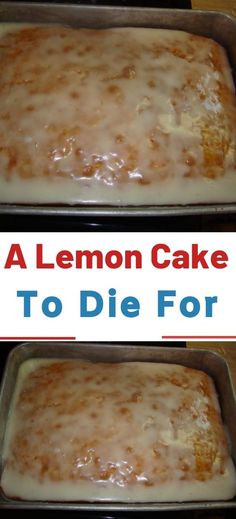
(131, 431)
(119, 116)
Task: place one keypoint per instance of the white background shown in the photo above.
(141, 283)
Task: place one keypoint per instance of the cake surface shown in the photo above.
(121, 116)
(132, 431)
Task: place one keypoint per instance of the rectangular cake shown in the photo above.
(120, 116)
(129, 432)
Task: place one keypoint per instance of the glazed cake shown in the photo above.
(122, 116)
(132, 431)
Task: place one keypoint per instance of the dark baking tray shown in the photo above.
(181, 4)
(216, 25)
(208, 361)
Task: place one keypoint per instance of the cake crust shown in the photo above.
(119, 116)
(132, 431)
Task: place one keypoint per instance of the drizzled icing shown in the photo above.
(124, 115)
(130, 431)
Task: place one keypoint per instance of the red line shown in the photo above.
(198, 336)
(36, 338)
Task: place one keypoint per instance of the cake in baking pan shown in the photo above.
(120, 116)
(128, 432)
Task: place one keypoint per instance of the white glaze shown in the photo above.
(148, 123)
(115, 432)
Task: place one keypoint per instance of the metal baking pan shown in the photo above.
(216, 25)
(207, 361)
